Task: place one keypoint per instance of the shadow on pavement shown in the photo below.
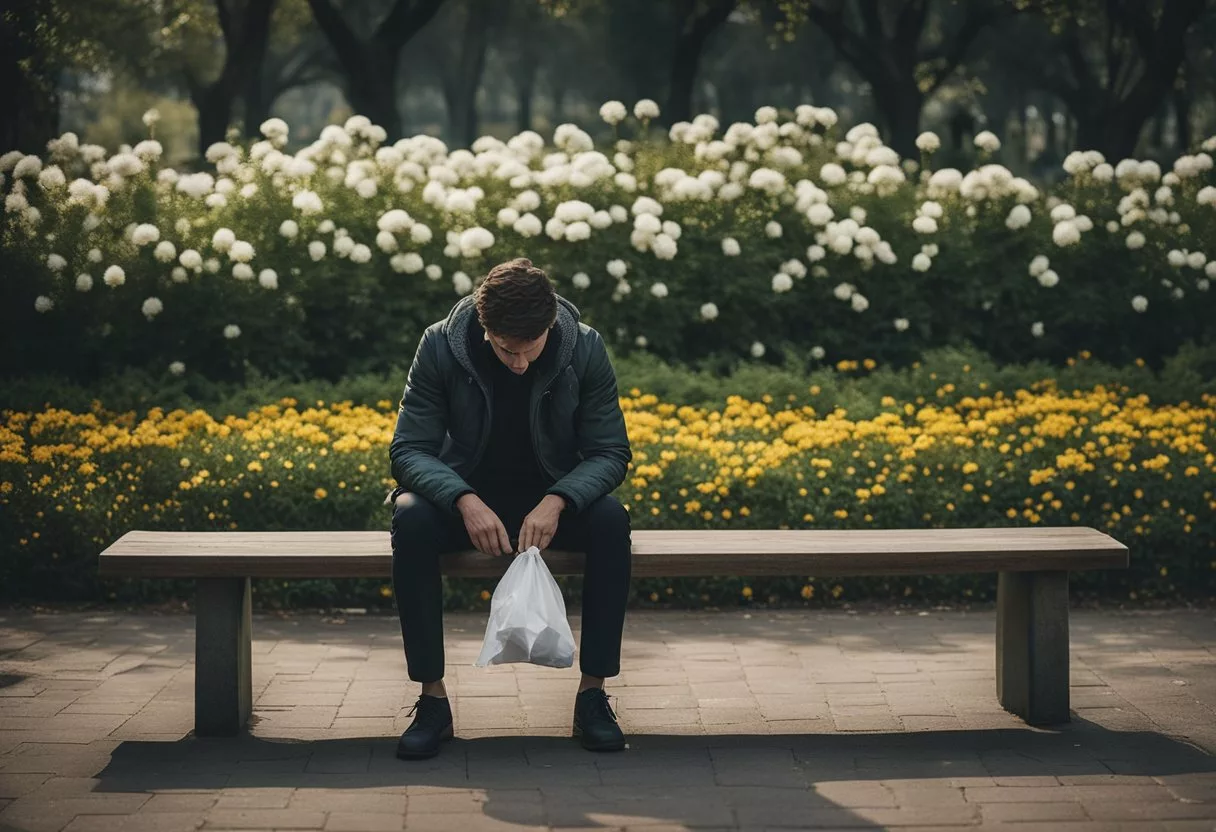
(726, 779)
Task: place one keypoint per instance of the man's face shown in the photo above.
(517, 354)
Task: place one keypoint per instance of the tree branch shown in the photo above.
(337, 31)
(404, 21)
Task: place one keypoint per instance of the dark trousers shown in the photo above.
(422, 532)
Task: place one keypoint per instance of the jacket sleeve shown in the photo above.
(421, 428)
(603, 442)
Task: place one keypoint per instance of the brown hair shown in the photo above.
(516, 300)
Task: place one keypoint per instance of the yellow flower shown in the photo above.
(485, 595)
(747, 592)
(254, 466)
(808, 592)
(320, 493)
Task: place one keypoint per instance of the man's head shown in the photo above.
(516, 305)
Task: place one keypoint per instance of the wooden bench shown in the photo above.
(1032, 591)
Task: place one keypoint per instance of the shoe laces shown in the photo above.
(599, 706)
(430, 714)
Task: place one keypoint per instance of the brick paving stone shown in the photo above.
(265, 819)
(159, 822)
(735, 720)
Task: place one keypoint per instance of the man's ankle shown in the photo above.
(436, 689)
(590, 682)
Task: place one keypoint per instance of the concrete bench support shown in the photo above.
(223, 679)
(1032, 645)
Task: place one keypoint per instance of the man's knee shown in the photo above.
(413, 515)
(606, 516)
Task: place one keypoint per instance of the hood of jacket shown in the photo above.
(464, 313)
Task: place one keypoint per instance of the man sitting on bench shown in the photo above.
(510, 434)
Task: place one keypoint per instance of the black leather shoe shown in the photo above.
(595, 723)
(432, 725)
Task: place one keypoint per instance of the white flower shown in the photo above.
(819, 214)
(613, 112)
(240, 251)
(1176, 258)
(921, 262)
(325, 227)
(344, 245)
(152, 307)
(1039, 265)
(316, 250)
(212, 265)
(1135, 240)
(27, 166)
(528, 225)
(617, 268)
(659, 290)
(816, 253)
(709, 311)
(782, 282)
(843, 291)
(462, 283)
(664, 247)
(757, 349)
(421, 234)
(928, 142)
(1019, 217)
(924, 225)
(360, 254)
(268, 279)
(145, 233)
(366, 188)
(1140, 303)
(434, 271)
(833, 174)
(987, 141)
(222, 239)
(165, 251)
(43, 304)
(859, 302)
(242, 271)
(114, 276)
(1210, 269)
(177, 368)
(289, 229)
(772, 229)
(151, 116)
(818, 352)
(1066, 233)
(149, 150)
(307, 203)
(52, 177)
(274, 129)
(730, 247)
(1196, 259)
(55, 262)
(578, 231)
(179, 275)
(581, 280)
(646, 110)
(84, 282)
(1036, 329)
(901, 324)
(641, 341)
(232, 331)
(94, 255)
(1048, 279)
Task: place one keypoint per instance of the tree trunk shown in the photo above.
(900, 103)
(214, 105)
(29, 90)
(257, 105)
(372, 90)
(525, 91)
(686, 56)
(1182, 116)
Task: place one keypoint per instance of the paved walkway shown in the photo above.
(737, 721)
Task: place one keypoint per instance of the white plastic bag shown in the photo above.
(527, 617)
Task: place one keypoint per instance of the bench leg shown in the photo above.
(223, 682)
(1032, 645)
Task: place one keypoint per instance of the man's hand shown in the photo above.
(486, 531)
(540, 525)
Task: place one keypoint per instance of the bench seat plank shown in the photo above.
(656, 553)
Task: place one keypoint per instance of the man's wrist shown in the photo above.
(561, 501)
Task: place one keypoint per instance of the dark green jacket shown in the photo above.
(443, 424)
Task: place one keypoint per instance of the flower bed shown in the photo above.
(786, 236)
(71, 482)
